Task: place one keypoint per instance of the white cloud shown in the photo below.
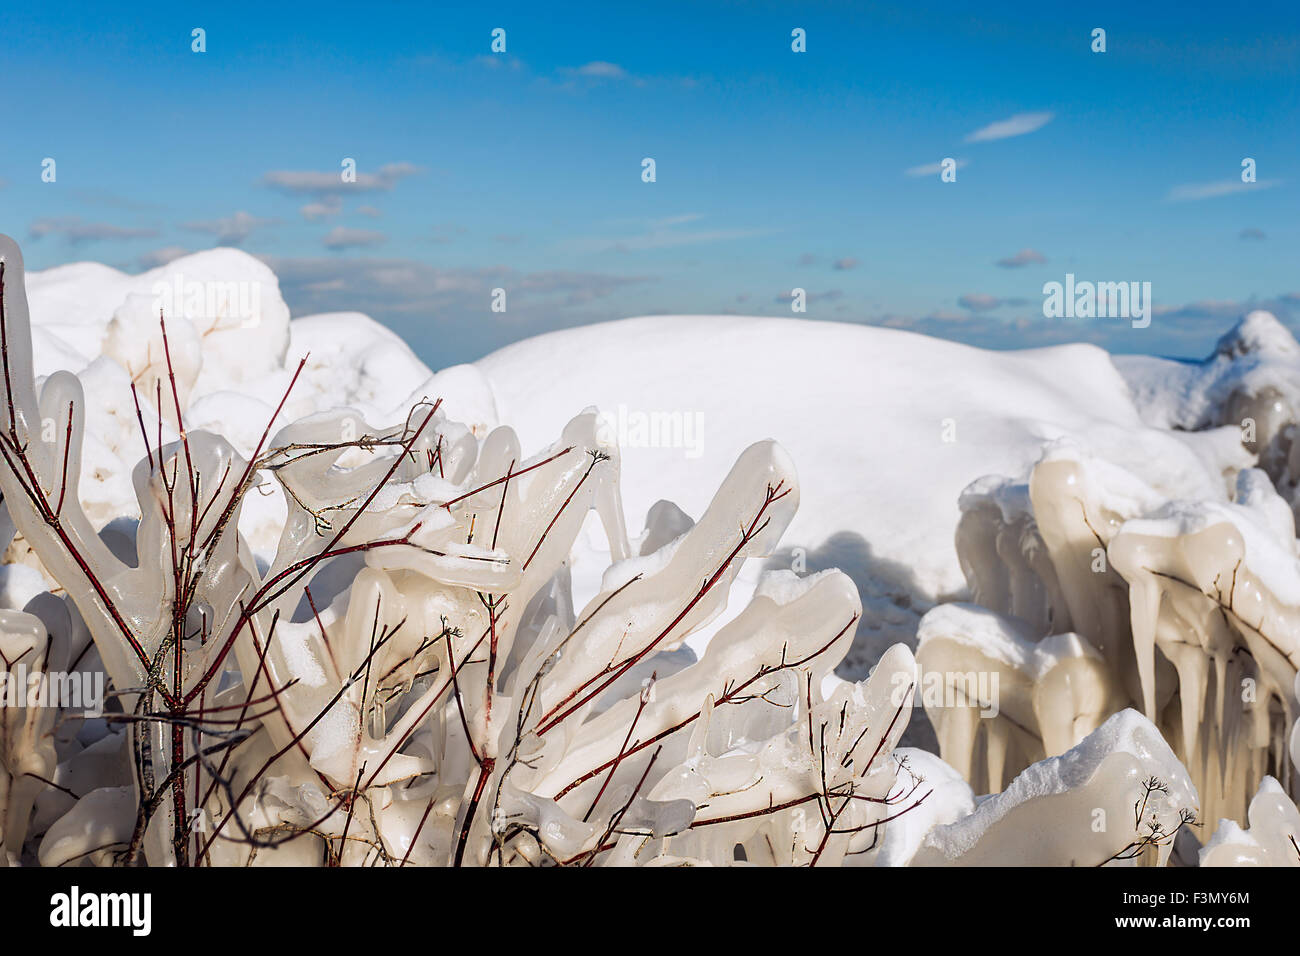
(602, 70)
(410, 287)
(1025, 257)
(932, 169)
(160, 257)
(323, 208)
(75, 231)
(340, 237)
(597, 72)
(830, 295)
(230, 230)
(496, 61)
(1017, 125)
(1224, 187)
(664, 234)
(679, 220)
(979, 301)
(324, 183)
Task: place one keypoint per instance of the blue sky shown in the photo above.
(775, 169)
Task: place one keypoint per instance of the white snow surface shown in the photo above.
(949, 800)
(352, 360)
(102, 324)
(885, 427)
(1257, 353)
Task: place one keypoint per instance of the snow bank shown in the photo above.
(1250, 385)
(235, 351)
(1256, 354)
(888, 428)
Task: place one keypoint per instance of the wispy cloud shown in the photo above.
(979, 301)
(1189, 329)
(983, 302)
(231, 230)
(664, 233)
(1017, 125)
(937, 322)
(932, 169)
(323, 208)
(103, 197)
(76, 232)
(600, 69)
(1025, 257)
(311, 182)
(341, 237)
(576, 288)
(393, 288)
(597, 72)
(1191, 192)
(160, 257)
(848, 262)
(830, 295)
(499, 61)
(679, 220)
(1253, 233)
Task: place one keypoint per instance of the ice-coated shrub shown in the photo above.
(408, 681)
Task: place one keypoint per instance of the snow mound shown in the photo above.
(888, 427)
(1258, 358)
(235, 352)
(1259, 334)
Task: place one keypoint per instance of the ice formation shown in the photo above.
(1001, 699)
(1181, 602)
(405, 679)
(1272, 838)
(1120, 796)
